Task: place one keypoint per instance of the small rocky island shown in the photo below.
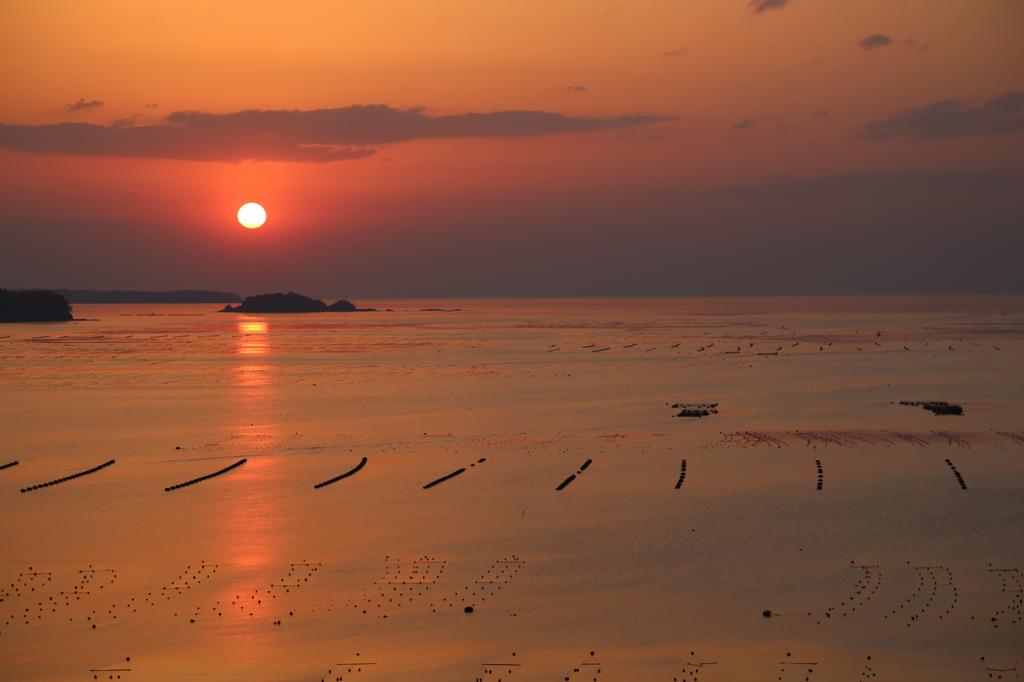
(34, 305)
(291, 303)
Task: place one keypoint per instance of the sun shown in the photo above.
(252, 216)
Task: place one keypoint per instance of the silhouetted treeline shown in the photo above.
(290, 303)
(181, 296)
(33, 306)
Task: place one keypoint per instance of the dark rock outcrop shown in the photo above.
(344, 306)
(290, 303)
(33, 306)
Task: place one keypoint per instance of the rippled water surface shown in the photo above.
(868, 528)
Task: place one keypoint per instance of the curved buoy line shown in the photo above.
(444, 478)
(67, 478)
(959, 478)
(9, 465)
(344, 475)
(207, 476)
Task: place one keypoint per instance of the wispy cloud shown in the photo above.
(744, 125)
(82, 104)
(876, 40)
(761, 5)
(573, 88)
(949, 119)
(675, 53)
(822, 113)
(315, 136)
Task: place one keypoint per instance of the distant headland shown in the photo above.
(181, 296)
(33, 306)
(291, 303)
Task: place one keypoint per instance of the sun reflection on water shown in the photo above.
(253, 339)
(250, 532)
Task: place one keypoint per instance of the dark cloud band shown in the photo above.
(865, 183)
(949, 119)
(315, 136)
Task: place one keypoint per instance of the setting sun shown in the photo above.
(252, 216)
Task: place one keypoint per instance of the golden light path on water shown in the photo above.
(250, 518)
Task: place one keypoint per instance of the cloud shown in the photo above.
(675, 53)
(744, 125)
(154, 105)
(761, 5)
(573, 88)
(822, 113)
(864, 183)
(316, 136)
(948, 119)
(82, 104)
(125, 122)
(877, 40)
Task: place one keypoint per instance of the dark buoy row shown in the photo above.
(963, 486)
(67, 478)
(682, 476)
(821, 473)
(9, 465)
(207, 476)
(583, 467)
(444, 478)
(344, 475)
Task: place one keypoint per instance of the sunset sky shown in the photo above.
(446, 148)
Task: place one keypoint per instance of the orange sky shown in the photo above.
(697, 68)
